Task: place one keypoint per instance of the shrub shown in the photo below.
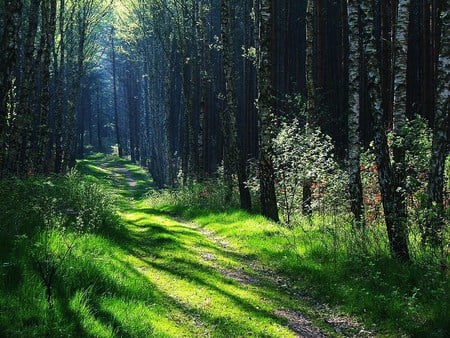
(208, 194)
(304, 156)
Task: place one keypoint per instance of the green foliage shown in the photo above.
(209, 194)
(304, 156)
(41, 220)
(158, 276)
(371, 191)
(31, 204)
(418, 152)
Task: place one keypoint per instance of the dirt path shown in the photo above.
(119, 172)
(255, 273)
(221, 290)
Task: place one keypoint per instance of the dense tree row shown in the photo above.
(225, 74)
(184, 87)
(47, 49)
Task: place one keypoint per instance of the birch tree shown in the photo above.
(354, 146)
(399, 115)
(391, 196)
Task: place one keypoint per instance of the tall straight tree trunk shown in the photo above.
(386, 60)
(311, 114)
(44, 131)
(116, 111)
(399, 116)
(232, 151)
(9, 42)
(186, 120)
(60, 92)
(265, 19)
(99, 120)
(354, 143)
(396, 226)
(433, 231)
(21, 127)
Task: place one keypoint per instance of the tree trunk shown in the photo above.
(399, 116)
(396, 226)
(266, 20)
(60, 92)
(232, 151)
(116, 111)
(8, 57)
(433, 231)
(354, 144)
(99, 120)
(311, 114)
(44, 131)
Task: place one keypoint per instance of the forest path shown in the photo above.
(203, 285)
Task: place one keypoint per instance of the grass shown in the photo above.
(147, 273)
(147, 277)
(390, 297)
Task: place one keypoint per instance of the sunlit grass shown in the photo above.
(146, 278)
(155, 275)
(330, 261)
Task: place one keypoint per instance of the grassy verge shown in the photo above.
(390, 297)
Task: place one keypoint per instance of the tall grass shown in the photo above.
(42, 221)
(209, 195)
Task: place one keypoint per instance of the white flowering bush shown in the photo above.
(303, 155)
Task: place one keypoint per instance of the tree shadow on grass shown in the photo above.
(203, 275)
(105, 286)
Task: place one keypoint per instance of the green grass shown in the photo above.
(146, 277)
(146, 273)
(390, 297)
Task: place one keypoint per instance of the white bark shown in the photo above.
(355, 186)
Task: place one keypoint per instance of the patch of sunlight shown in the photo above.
(163, 220)
(97, 169)
(139, 319)
(91, 325)
(142, 218)
(213, 295)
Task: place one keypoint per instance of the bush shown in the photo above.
(209, 194)
(26, 205)
(304, 156)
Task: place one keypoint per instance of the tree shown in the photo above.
(354, 146)
(8, 58)
(266, 115)
(435, 225)
(116, 110)
(232, 150)
(391, 196)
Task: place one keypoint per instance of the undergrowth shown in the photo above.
(42, 221)
(109, 278)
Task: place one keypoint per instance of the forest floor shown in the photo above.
(167, 264)
(185, 279)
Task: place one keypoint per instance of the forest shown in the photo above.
(224, 168)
